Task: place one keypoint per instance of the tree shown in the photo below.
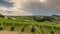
(1, 15)
(43, 19)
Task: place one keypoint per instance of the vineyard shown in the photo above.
(28, 25)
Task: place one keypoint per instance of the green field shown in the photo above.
(28, 25)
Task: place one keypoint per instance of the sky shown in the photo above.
(30, 7)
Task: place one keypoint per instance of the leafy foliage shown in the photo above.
(43, 19)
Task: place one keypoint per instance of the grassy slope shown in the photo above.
(20, 23)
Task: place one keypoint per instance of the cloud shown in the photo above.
(17, 7)
(6, 4)
(30, 7)
(37, 8)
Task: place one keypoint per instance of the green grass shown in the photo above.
(30, 26)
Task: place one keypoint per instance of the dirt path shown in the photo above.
(11, 32)
(8, 32)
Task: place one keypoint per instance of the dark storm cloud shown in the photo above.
(38, 8)
(6, 4)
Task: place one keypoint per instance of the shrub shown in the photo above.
(52, 32)
(1, 28)
(22, 30)
(12, 28)
(32, 29)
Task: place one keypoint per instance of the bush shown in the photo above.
(22, 30)
(32, 29)
(52, 32)
(12, 28)
(1, 28)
